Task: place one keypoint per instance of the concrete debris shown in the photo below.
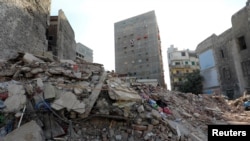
(119, 90)
(30, 58)
(16, 98)
(77, 100)
(67, 100)
(49, 91)
(24, 133)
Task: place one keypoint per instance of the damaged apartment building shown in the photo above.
(224, 59)
(26, 26)
(180, 62)
(61, 37)
(138, 48)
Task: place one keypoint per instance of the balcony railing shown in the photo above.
(180, 66)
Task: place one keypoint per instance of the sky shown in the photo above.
(182, 23)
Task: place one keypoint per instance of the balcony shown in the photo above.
(178, 74)
(180, 66)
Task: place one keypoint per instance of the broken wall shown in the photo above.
(23, 26)
(208, 65)
(226, 66)
(52, 35)
(241, 46)
(231, 50)
(66, 44)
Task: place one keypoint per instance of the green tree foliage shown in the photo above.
(192, 83)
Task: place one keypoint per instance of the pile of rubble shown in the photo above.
(76, 100)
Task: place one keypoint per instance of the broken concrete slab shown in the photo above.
(156, 114)
(123, 95)
(78, 75)
(39, 83)
(94, 95)
(15, 89)
(119, 90)
(49, 91)
(30, 58)
(78, 90)
(67, 100)
(16, 98)
(36, 70)
(177, 128)
(30, 131)
(15, 103)
(79, 107)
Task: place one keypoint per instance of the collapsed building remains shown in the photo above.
(78, 100)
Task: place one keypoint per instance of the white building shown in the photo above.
(84, 53)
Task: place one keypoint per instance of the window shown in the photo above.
(183, 54)
(222, 53)
(177, 63)
(49, 48)
(50, 37)
(132, 42)
(242, 43)
(193, 63)
(245, 67)
(186, 62)
(147, 59)
(230, 93)
(226, 73)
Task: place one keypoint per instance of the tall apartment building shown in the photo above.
(84, 53)
(180, 63)
(138, 48)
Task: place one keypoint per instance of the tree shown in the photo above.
(192, 83)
